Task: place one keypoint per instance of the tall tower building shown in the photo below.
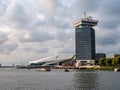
(85, 40)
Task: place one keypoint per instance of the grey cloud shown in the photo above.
(48, 6)
(17, 17)
(64, 35)
(110, 13)
(38, 50)
(7, 48)
(110, 40)
(35, 36)
(111, 8)
(5, 45)
(88, 4)
(57, 19)
(44, 50)
(110, 24)
(78, 8)
(60, 24)
(2, 8)
(3, 37)
(108, 37)
(68, 50)
(11, 46)
(28, 49)
(54, 21)
(39, 23)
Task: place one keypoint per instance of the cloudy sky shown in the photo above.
(32, 29)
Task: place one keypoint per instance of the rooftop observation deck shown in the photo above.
(88, 21)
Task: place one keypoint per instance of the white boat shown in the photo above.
(43, 69)
(117, 69)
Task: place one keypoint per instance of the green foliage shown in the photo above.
(108, 62)
(118, 61)
(114, 62)
(102, 68)
(102, 61)
(106, 68)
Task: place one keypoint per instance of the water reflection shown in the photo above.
(86, 80)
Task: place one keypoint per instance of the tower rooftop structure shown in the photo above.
(87, 21)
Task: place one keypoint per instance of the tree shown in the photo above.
(102, 61)
(108, 62)
(116, 61)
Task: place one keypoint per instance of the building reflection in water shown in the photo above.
(86, 80)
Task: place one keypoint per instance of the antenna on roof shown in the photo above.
(85, 14)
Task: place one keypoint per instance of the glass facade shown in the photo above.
(85, 43)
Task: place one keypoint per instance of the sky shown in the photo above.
(33, 29)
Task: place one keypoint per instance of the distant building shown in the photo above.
(113, 55)
(98, 56)
(59, 60)
(85, 40)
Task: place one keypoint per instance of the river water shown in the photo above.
(23, 79)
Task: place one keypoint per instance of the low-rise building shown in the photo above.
(98, 56)
(113, 55)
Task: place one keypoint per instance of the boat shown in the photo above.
(66, 70)
(43, 69)
(117, 69)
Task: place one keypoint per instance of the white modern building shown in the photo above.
(54, 60)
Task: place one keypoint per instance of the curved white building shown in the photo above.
(52, 60)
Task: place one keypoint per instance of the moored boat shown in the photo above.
(117, 69)
(66, 70)
(43, 69)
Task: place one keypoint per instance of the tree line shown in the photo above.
(110, 61)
